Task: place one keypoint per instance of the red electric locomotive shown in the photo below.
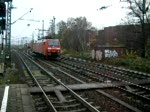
(47, 47)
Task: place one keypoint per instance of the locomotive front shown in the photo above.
(54, 48)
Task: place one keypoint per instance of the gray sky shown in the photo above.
(62, 10)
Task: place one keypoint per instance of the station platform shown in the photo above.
(18, 98)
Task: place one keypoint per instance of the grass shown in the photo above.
(138, 63)
(130, 61)
(11, 77)
(2, 81)
(72, 53)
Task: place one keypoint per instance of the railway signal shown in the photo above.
(2, 23)
(5, 24)
(2, 9)
(2, 15)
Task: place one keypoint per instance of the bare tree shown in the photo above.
(75, 33)
(62, 26)
(140, 9)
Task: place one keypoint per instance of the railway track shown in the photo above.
(49, 65)
(54, 101)
(133, 93)
(57, 85)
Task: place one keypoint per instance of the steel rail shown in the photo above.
(144, 97)
(53, 67)
(114, 78)
(101, 92)
(108, 66)
(119, 101)
(45, 96)
(84, 102)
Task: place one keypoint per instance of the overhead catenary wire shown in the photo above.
(22, 16)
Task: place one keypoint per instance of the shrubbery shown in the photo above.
(130, 60)
(135, 63)
(72, 53)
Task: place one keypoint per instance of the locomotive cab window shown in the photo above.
(53, 43)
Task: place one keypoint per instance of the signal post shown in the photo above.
(5, 33)
(2, 29)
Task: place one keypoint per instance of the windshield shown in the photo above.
(53, 43)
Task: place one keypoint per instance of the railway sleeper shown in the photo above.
(39, 103)
(141, 92)
(42, 109)
(53, 98)
(147, 106)
(130, 89)
(38, 99)
(51, 85)
(68, 106)
(74, 69)
(44, 81)
(75, 110)
(72, 101)
(71, 107)
(147, 95)
(34, 67)
(79, 95)
(30, 82)
(42, 78)
(60, 103)
(59, 95)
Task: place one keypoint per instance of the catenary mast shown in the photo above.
(8, 34)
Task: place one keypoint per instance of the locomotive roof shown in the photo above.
(44, 40)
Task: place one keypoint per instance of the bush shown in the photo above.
(73, 53)
(130, 60)
(136, 63)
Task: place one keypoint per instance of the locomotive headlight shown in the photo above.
(58, 48)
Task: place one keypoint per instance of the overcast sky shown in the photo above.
(62, 10)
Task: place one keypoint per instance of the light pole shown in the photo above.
(52, 27)
(43, 28)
